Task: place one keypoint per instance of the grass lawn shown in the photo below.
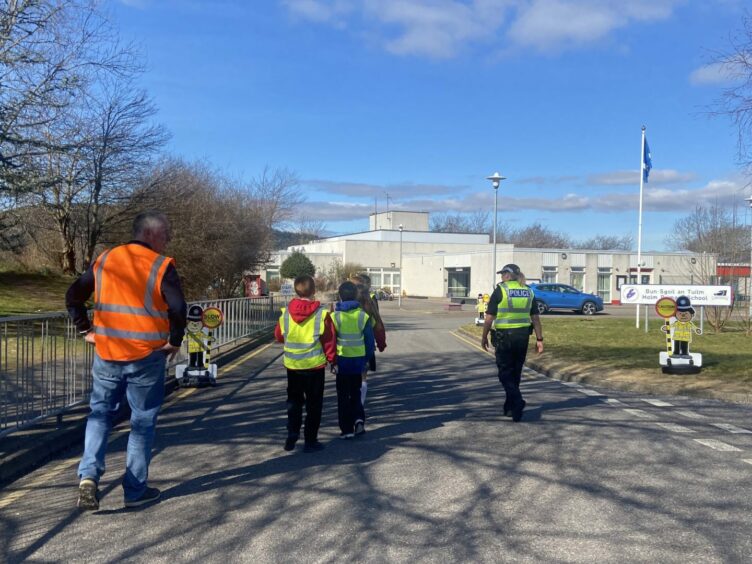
(29, 292)
(606, 349)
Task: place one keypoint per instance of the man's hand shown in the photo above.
(170, 351)
(89, 337)
(484, 341)
(539, 346)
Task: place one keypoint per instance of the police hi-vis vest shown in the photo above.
(350, 326)
(130, 314)
(303, 350)
(514, 307)
(682, 330)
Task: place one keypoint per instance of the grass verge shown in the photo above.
(611, 352)
(30, 292)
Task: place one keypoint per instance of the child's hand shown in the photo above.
(333, 368)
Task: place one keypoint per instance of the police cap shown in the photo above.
(683, 304)
(195, 312)
(510, 268)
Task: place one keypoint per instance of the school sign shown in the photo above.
(649, 294)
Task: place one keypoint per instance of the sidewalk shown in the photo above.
(23, 451)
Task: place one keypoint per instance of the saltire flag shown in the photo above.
(647, 162)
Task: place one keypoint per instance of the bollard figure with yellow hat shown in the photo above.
(679, 329)
(198, 371)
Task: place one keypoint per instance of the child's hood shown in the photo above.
(347, 305)
(300, 310)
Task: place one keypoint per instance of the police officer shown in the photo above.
(513, 317)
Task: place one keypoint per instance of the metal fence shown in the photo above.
(45, 365)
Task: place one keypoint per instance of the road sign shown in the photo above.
(665, 307)
(649, 294)
(212, 317)
(286, 289)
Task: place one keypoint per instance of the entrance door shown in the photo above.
(458, 282)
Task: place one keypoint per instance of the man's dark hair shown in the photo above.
(304, 285)
(348, 292)
(149, 220)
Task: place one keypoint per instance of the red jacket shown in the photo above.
(300, 310)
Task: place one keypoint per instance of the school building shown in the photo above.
(402, 255)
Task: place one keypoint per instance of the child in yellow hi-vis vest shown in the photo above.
(481, 308)
(682, 327)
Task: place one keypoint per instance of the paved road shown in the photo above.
(440, 476)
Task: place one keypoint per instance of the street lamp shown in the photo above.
(749, 280)
(495, 179)
(399, 298)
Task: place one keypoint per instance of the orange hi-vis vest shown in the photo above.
(130, 314)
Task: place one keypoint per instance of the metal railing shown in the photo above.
(45, 365)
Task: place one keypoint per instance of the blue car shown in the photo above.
(561, 296)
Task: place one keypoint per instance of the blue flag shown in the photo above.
(647, 162)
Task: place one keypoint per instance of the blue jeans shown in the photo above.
(142, 383)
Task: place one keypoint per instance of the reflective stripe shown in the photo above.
(98, 275)
(130, 310)
(301, 356)
(297, 345)
(356, 342)
(151, 283)
(317, 324)
(514, 309)
(362, 320)
(120, 334)
(521, 321)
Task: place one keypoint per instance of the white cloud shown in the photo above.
(632, 177)
(715, 73)
(443, 28)
(358, 189)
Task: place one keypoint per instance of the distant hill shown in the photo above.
(32, 292)
(284, 239)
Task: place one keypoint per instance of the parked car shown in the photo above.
(562, 296)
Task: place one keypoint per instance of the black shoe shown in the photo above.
(290, 442)
(314, 446)
(517, 413)
(88, 495)
(149, 495)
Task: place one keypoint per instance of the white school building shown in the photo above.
(418, 262)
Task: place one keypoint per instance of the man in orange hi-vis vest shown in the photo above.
(139, 321)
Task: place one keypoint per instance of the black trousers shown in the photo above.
(348, 401)
(681, 347)
(511, 352)
(305, 387)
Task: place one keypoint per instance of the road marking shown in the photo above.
(657, 403)
(471, 343)
(50, 471)
(588, 392)
(615, 402)
(690, 414)
(731, 428)
(572, 384)
(674, 428)
(718, 445)
(639, 413)
(747, 460)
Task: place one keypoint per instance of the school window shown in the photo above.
(577, 277)
(549, 274)
(604, 284)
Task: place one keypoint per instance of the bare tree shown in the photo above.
(278, 193)
(606, 243)
(537, 236)
(736, 100)
(475, 222)
(49, 51)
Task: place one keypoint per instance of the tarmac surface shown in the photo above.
(440, 476)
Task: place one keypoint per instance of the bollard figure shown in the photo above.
(679, 329)
(198, 372)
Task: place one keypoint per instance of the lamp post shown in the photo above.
(749, 280)
(495, 179)
(399, 298)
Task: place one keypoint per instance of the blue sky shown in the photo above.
(424, 98)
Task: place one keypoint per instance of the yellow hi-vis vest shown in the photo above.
(514, 307)
(683, 330)
(303, 349)
(350, 326)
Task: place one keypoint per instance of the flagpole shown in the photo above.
(639, 224)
